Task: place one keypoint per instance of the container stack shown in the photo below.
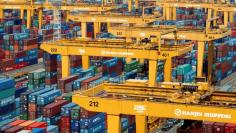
(50, 62)
(52, 112)
(36, 79)
(66, 117)
(7, 98)
(184, 73)
(91, 122)
(75, 119)
(112, 67)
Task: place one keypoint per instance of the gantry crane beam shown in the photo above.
(142, 104)
(116, 49)
(16, 6)
(167, 33)
(132, 19)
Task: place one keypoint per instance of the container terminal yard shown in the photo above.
(117, 66)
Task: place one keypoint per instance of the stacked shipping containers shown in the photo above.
(7, 98)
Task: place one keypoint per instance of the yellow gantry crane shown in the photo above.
(107, 48)
(30, 6)
(97, 19)
(176, 34)
(166, 100)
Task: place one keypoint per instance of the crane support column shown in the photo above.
(96, 28)
(67, 17)
(40, 17)
(129, 5)
(226, 18)
(168, 15)
(65, 60)
(136, 4)
(21, 13)
(164, 12)
(167, 70)
(200, 56)
(152, 74)
(28, 18)
(208, 23)
(114, 125)
(215, 15)
(85, 62)
(210, 60)
(174, 13)
(84, 29)
(1, 13)
(231, 16)
(32, 12)
(141, 124)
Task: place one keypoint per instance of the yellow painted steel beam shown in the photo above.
(141, 124)
(112, 18)
(174, 13)
(231, 16)
(28, 18)
(208, 23)
(226, 19)
(167, 70)
(65, 60)
(83, 29)
(85, 62)
(40, 17)
(145, 32)
(22, 13)
(115, 127)
(200, 56)
(1, 13)
(151, 108)
(96, 28)
(210, 60)
(152, 73)
(214, 15)
(117, 49)
(15, 6)
(128, 60)
(129, 5)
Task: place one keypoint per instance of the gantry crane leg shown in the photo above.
(226, 18)
(141, 124)
(136, 4)
(215, 15)
(210, 60)
(85, 62)
(67, 18)
(167, 70)
(96, 28)
(208, 23)
(28, 18)
(200, 56)
(174, 13)
(1, 13)
(164, 12)
(113, 123)
(21, 13)
(152, 74)
(32, 12)
(40, 16)
(65, 60)
(231, 16)
(168, 13)
(129, 5)
(84, 29)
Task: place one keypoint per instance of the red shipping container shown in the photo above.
(230, 128)
(65, 122)
(51, 81)
(53, 108)
(36, 125)
(219, 127)
(207, 127)
(13, 129)
(86, 114)
(16, 122)
(32, 107)
(85, 83)
(32, 115)
(64, 81)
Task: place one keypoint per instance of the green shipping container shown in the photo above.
(38, 74)
(75, 113)
(183, 69)
(7, 93)
(24, 116)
